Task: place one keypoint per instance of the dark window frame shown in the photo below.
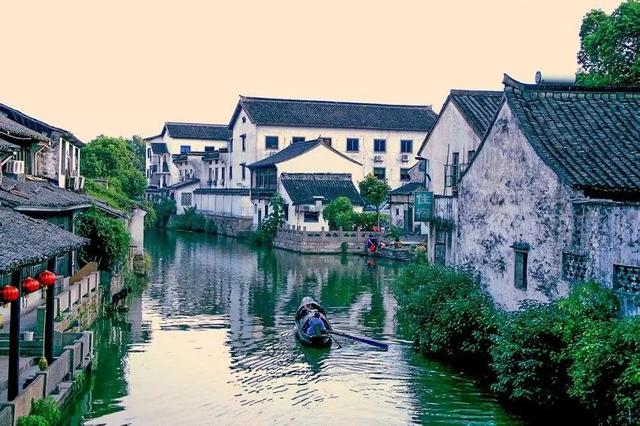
(311, 217)
(185, 149)
(520, 266)
(353, 141)
(404, 142)
(404, 174)
(269, 142)
(384, 172)
(379, 145)
(297, 139)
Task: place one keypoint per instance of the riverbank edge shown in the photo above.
(589, 310)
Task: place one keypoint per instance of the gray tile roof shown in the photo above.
(294, 150)
(38, 126)
(478, 106)
(8, 146)
(39, 195)
(26, 240)
(408, 189)
(589, 137)
(182, 184)
(331, 114)
(10, 127)
(159, 148)
(198, 131)
(302, 187)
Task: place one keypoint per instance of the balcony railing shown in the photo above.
(452, 173)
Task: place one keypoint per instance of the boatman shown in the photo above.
(316, 325)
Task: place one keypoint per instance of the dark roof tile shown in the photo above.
(294, 150)
(40, 127)
(478, 106)
(26, 240)
(331, 114)
(12, 128)
(38, 194)
(408, 189)
(198, 131)
(8, 146)
(302, 187)
(589, 137)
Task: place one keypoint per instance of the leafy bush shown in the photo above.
(48, 409)
(394, 232)
(339, 213)
(164, 209)
(366, 220)
(32, 421)
(191, 220)
(375, 192)
(587, 302)
(268, 229)
(150, 218)
(344, 247)
(605, 373)
(528, 356)
(109, 237)
(447, 312)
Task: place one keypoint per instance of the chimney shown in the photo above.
(318, 199)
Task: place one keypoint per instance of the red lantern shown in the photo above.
(47, 278)
(9, 293)
(29, 285)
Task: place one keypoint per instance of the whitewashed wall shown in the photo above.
(232, 205)
(452, 133)
(510, 195)
(256, 146)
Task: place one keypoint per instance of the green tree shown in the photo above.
(110, 239)
(610, 46)
(339, 213)
(374, 191)
(139, 149)
(114, 159)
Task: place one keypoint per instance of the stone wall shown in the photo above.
(326, 242)
(229, 225)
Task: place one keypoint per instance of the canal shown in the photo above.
(210, 341)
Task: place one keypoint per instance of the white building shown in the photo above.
(383, 138)
(179, 139)
(448, 149)
(308, 175)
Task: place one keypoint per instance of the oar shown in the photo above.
(380, 345)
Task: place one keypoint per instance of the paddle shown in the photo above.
(380, 345)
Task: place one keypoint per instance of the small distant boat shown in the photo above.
(308, 307)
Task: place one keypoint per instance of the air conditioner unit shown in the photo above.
(14, 166)
(80, 183)
(405, 158)
(378, 159)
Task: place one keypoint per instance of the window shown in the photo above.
(379, 172)
(223, 172)
(185, 199)
(297, 139)
(184, 149)
(271, 142)
(311, 216)
(379, 145)
(404, 174)
(230, 145)
(353, 145)
(230, 173)
(148, 152)
(285, 209)
(209, 148)
(244, 119)
(244, 170)
(265, 178)
(216, 174)
(520, 265)
(470, 155)
(244, 145)
(406, 146)
(327, 141)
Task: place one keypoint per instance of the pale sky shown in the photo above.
(125, 67)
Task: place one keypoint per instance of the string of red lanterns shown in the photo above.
(9, 293)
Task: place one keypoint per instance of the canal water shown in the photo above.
(209, 340)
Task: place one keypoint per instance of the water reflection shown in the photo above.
(211, 341)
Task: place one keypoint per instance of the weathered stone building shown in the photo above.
(553, 193)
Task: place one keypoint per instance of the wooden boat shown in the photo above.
(308, 307)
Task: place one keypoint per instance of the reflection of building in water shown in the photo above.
(134, 316)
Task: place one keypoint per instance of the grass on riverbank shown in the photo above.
(572, 352)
